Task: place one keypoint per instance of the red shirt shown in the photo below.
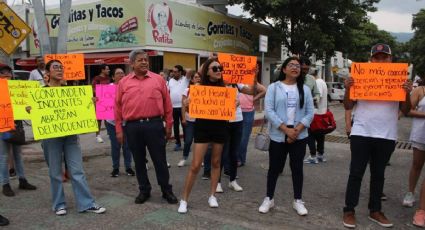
(142, 98)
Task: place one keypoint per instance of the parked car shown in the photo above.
(336, 91)
(21, 74)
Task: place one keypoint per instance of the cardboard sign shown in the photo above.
(18, 91)
(238, 68)
(105, 103)
(215, 103)
(6, 112)
(378, 81)
(73, 65)
(62, 111)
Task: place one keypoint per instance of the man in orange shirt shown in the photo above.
(142, 104)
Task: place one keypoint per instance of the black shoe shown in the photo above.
(130, 172)
(3, 221)
(23, 184)
(7, 190)
(142, 198)
(115, 173)
(169, 196)
(206, 176)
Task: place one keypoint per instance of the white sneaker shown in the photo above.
(408, 200)
(60, 212)
(212, 201)
(181, 163)
(219, 189)
(234, 185)
(183, 207)
(266, 205)
(99, 139)
(298, 205)
(311, 160)
(168, 165)
(321, 158)
(147, 166)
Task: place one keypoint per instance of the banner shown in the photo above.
(238, 68)
(105, 103)
(6, 112)
(210, 102)
(18, 91)
(378, 81)
(62, 111)
(73, 65)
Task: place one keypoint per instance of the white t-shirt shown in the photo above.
(239, 115)
(292, 97)
(376, 119)
(36, 76)
(322, 105)
(186, 93)
(177, 88)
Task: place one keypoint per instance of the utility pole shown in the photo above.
(65, 7)
(40, 18)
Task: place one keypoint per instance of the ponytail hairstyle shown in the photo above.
(300, 80)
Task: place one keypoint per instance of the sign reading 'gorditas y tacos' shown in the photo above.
(110, 24)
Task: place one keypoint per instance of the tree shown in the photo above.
(311, 26)
(417, 44)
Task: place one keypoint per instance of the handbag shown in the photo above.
(323, 123)
(262, 140)
(16, 136)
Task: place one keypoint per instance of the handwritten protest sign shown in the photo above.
(378, 81)
(18, 91)
(105, 102)
(73, 65)
(62, 111)
(6, 112)
(215, 103)
(238, 68)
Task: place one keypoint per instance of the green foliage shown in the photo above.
(417, 44)
(313, 26)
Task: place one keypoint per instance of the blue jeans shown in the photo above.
(69, 147)
(248, 121)
(4, 156)
(116, 147)
(188, 138)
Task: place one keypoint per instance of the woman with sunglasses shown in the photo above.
(68, 148)
(289, 108)
(207, 131)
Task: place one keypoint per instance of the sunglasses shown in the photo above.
(294, 66)
(57, 67)
(216, 69)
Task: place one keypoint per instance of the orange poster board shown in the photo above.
(211, 102)
(73, 65)
(238, 68)
(378, 81)
(6, 113)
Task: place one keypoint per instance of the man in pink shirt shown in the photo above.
(142, 104)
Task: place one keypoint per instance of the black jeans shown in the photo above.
(229, 158)
(177, 117)
(318, 138)
(150, 134)
(376, 152)
(278, 151)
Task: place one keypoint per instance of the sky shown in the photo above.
(392, 15)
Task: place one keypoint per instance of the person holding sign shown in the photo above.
(6, 146)
(207, 131)
(372, 140)
(102, 78)
(68, 148)
(118, 74)
(289, 108)
(142, 103)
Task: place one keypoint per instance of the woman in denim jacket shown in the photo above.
(289, 108)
